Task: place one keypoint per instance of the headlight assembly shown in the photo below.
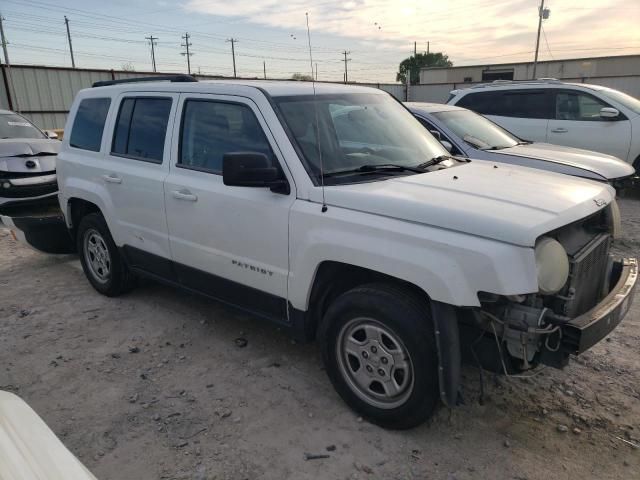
(616, 222)
(552, 264)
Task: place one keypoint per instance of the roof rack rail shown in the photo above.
(496, 83)
(158, 78)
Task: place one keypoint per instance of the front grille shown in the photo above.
(587, 276)
(26, 191)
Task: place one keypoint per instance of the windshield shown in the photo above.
(16, 126)
(356, 130)
(632, 103)
(476, 130)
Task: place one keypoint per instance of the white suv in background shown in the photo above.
(571, 114)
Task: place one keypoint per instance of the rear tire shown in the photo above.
(101, 261)
(379, 351)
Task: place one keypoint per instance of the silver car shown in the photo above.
(27, 161)
(469, 134)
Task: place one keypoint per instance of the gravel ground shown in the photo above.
(156, 384)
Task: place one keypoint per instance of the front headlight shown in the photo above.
(616, 222)
(552, 264)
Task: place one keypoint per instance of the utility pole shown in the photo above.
(233, 54)
(188, 54)
(346, 71)
(152, 40)
(542, 14)
(13, 104)
(415, 48)
(73, 61)
(316, 71)
(264, 69)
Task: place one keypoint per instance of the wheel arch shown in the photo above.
(76, 209)
(334, 278)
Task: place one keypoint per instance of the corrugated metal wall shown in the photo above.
(44, 94)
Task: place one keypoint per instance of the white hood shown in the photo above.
(607, 166)
(508, 203)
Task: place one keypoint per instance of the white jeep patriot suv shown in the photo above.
(331, 211)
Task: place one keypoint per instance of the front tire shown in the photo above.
(379, 351)
(101, 261)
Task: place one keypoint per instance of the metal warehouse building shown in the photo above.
(620, 72)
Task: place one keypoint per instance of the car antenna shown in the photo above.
(315, 108)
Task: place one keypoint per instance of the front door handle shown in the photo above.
(184, 195)
(112, 178)
(560, 130)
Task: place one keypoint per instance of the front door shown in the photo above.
(228, 242)
(578, 124)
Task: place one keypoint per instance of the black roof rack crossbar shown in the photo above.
(158, 78)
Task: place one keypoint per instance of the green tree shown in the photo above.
(415, 62)
(300, 76)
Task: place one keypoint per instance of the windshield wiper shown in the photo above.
(433, 161)
(376, 168)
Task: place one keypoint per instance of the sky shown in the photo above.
(376, 34)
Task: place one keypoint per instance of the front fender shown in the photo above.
(451, 267)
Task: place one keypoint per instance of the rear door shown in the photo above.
(577, 123)
(228, 242)
(136, 164)
(524, 112)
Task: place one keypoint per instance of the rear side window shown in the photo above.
(141, 128)
(510, 103)
(88, 125)
(210, 129)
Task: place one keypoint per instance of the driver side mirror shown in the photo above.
(436, 134)
(609, 112)
(252, 169)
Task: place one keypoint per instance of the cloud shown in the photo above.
(456, 27)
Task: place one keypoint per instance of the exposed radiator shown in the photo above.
(587, 276)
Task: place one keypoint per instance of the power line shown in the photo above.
(152, 41)
(3, 38)
(187, 54)
(346, 72)
(73, 61)
(233, 54)
(544, 34)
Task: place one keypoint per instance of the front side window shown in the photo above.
(13, 125)
(476, 130)
(578, 106)
(88, 124)
(211, 129)
(349, 131)
(141, 128)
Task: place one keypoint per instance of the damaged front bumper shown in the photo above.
(581, 333)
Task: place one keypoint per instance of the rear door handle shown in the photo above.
(184, 195)
(112, 178)
(559, 130)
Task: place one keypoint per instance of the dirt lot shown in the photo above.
(154, 385)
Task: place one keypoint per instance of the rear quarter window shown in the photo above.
(88, 124)
(510, 103)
